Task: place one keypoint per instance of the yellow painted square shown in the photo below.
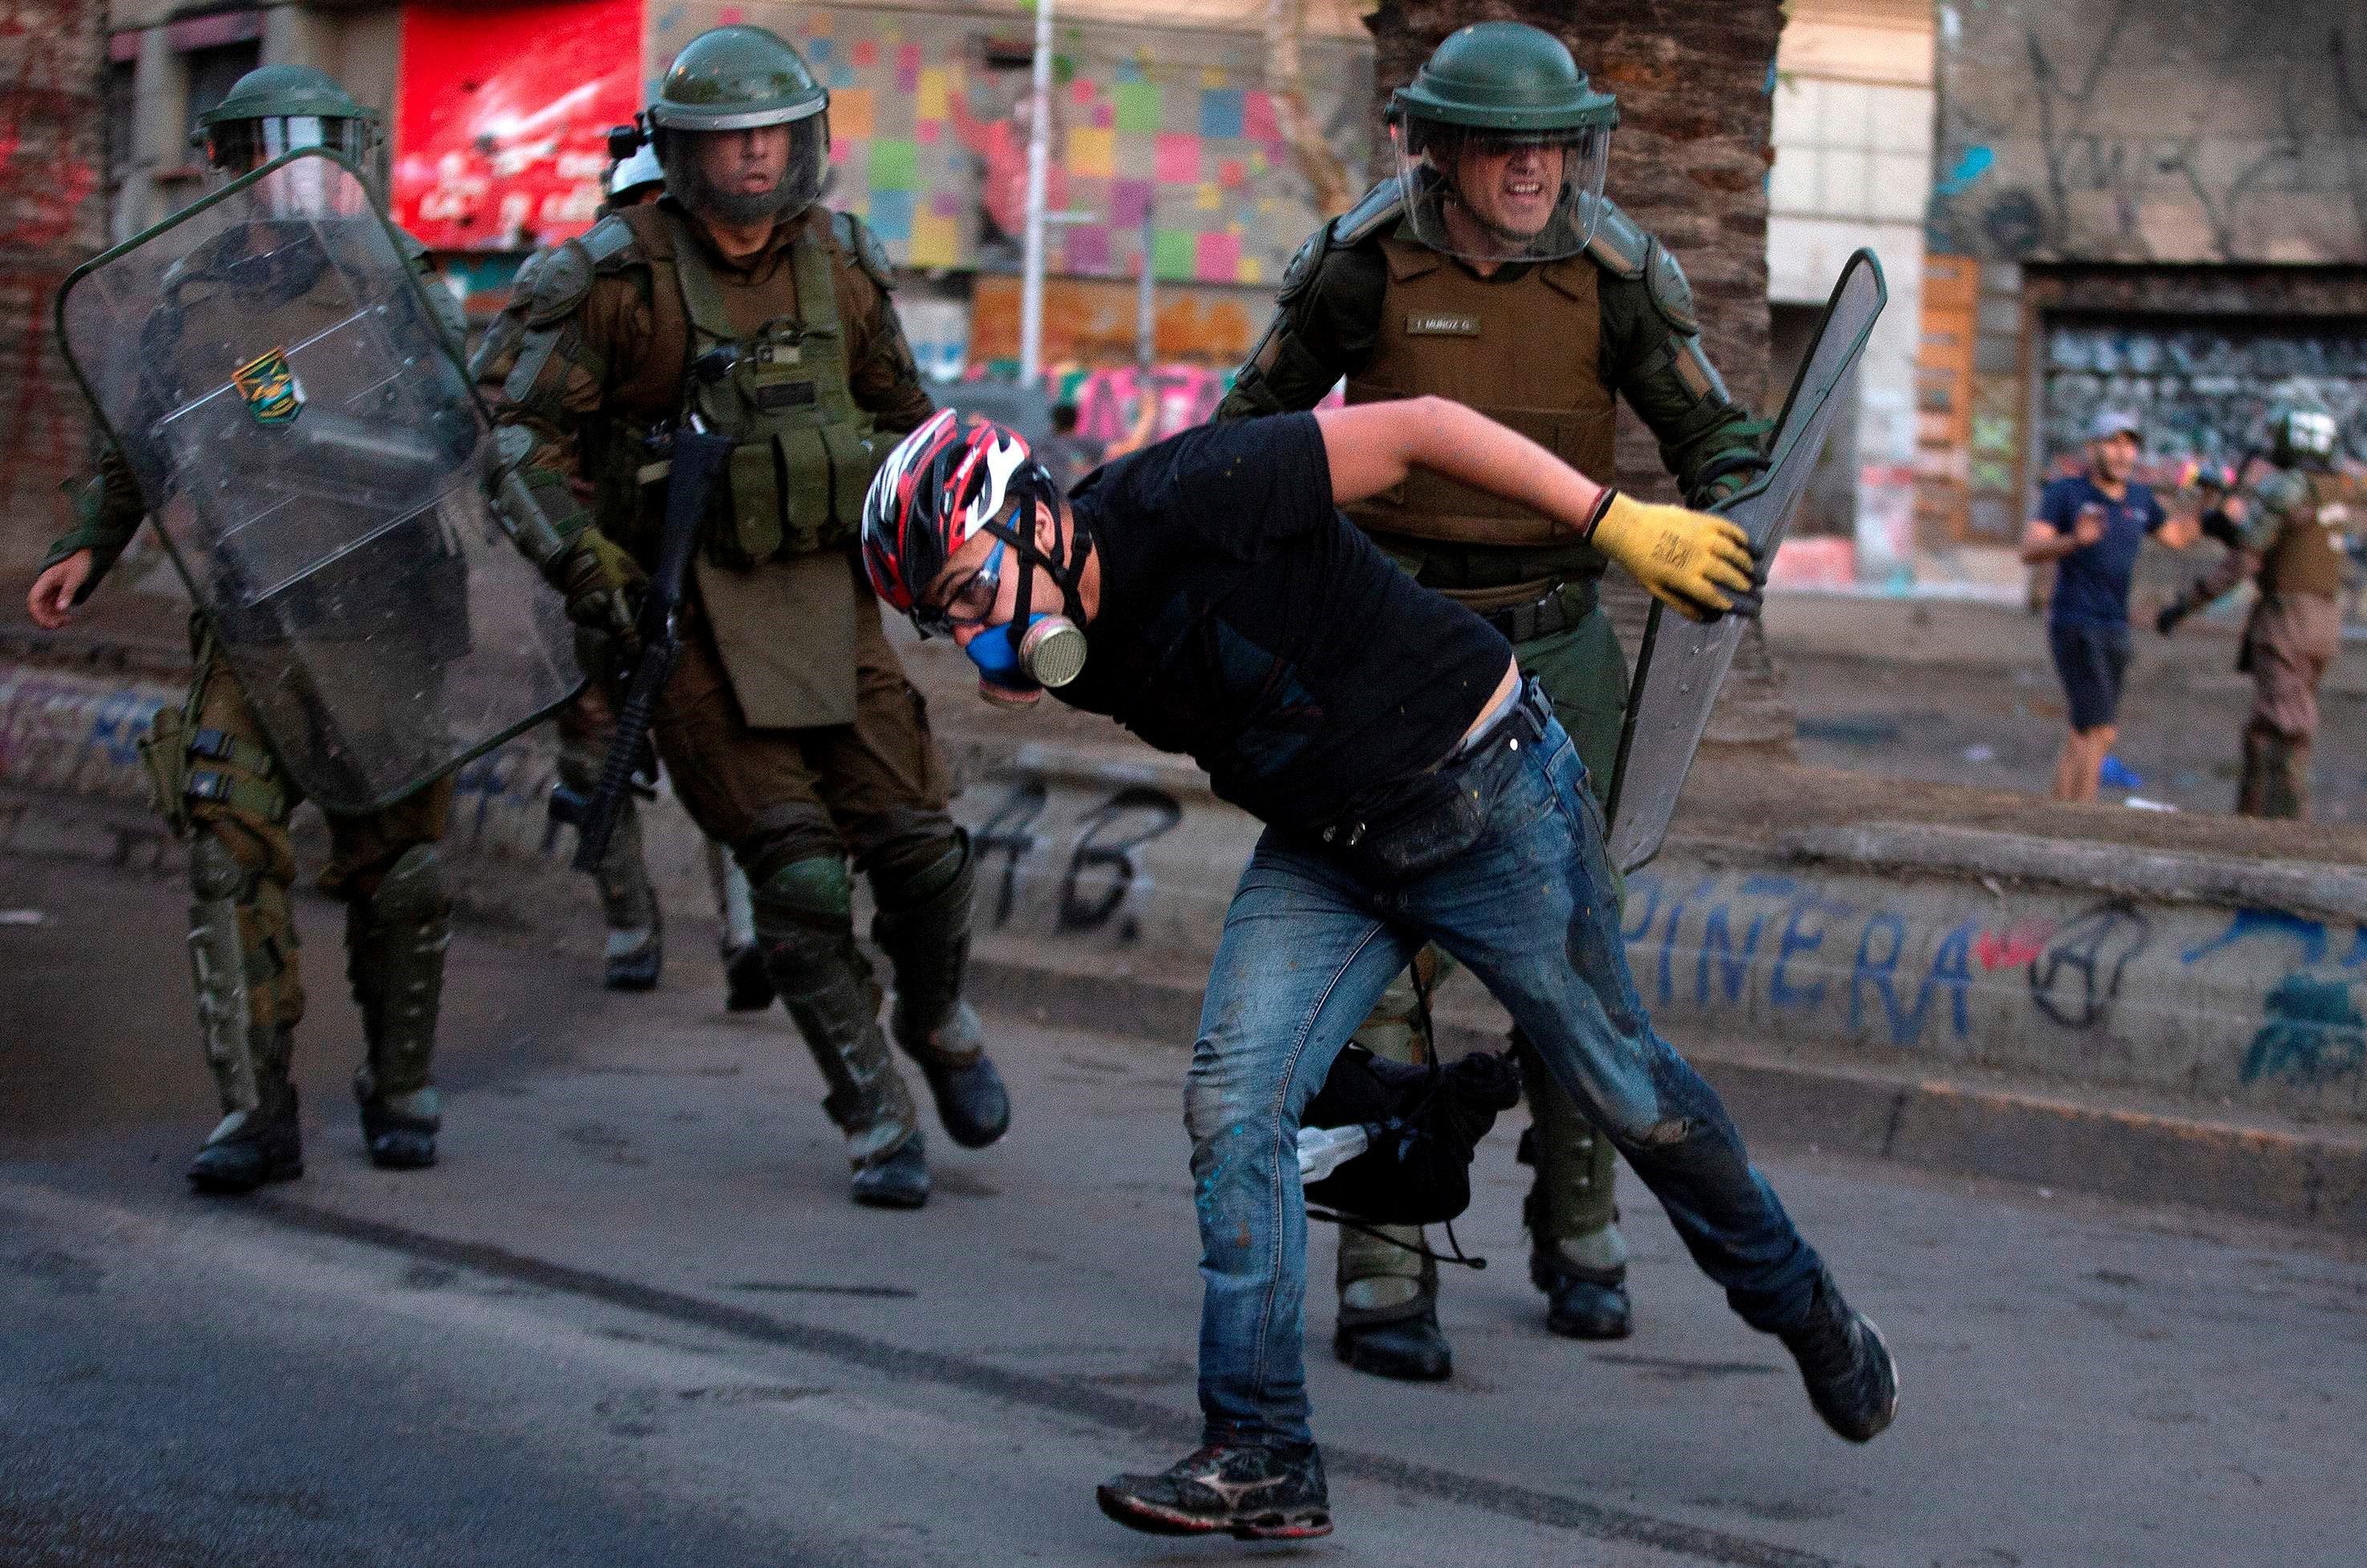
(1212, 76)
(929, 101)
(937, 241)
(1093, 152)
(1252, 270)
(1210, 198)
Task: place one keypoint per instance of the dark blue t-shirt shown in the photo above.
(1245, 623)
(2091, 584)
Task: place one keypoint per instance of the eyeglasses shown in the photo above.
(969, 604)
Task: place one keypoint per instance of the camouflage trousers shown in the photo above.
(2292, 638)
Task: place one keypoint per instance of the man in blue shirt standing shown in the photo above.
(2093, 527)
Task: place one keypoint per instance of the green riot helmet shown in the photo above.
(276, 109)
(2302, 435)
(1502, 145)
(725, 83)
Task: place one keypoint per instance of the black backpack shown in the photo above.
(1424, 1123)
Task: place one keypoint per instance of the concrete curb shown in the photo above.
(2310, 1178)
(2164, 1022)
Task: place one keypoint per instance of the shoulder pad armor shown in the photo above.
(1620, 247)
(554, 288)
(409, 244)
(1303, 264)
(860, 244)
(2283, 491)
(608, 243)
(1380, 207)
(1664, 279)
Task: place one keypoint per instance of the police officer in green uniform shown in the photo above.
(787, 728)
(220, 783)
(1493, 271)
(2291, 527)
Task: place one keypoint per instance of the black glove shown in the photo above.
(2166, 619)
(2217, 525)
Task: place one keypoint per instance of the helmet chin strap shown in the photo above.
(1065, 572)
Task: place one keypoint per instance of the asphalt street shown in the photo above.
(632, 1319)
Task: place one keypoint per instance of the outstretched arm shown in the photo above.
(1698, 564)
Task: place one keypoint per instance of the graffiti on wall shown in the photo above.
(1103, 879)
(48, 104)
(2057, 141)
(2203, 391)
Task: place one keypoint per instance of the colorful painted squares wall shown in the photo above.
(930, 114)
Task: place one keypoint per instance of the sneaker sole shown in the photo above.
(216, 1189)
(1151, 1519)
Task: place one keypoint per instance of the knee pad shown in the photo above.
(215, 872)
(414, 891)
(910, 856)
(783, 835)
(803, 896)
(916, 872)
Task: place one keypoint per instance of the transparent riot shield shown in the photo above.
(1680, 664)
(309, 446)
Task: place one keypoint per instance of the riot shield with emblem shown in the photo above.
(308, 444)
(1680, 664)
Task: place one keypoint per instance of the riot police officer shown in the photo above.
(788, 729)
(1494, 271)
(223, 782)
(2291, 527)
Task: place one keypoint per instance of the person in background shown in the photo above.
(2091, 525)
(2291, 526)
(1068, 455)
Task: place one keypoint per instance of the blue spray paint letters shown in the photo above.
(1796, 941)
(1669, 935)
(1951, 966)
(2246, 923)
(2314, 1035)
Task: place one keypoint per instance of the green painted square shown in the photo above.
(1174, 253)
(895, 164)
(1138, 106)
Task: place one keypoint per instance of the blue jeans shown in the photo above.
(1530, 909)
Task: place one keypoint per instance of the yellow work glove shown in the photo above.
(1698, 565)
(603, 586)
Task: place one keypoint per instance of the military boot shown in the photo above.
(260, 1141)
(927, 941)
(747, 987)
(1388, 1320)
(629, 904)
(636, 948)
(1577, 1256)
(395, 940)
(2275, 781)
(826, 988)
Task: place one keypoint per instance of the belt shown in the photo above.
(1523, 719)
(1544, 616)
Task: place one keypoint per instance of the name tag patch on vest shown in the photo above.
(779, 395)
(1424, 325)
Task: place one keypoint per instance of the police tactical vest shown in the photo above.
(1526, 352)
(803, 454)
(2307, 555)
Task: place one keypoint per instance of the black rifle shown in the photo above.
(699, 456)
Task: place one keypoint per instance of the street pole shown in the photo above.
(1145, 301)
(1039, 154)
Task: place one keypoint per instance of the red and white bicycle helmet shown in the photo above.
(955, 475)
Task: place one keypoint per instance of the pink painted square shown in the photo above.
(1228, 173)
(1218, 259)
(1179, 158)
(867, 51)
(1257, 117)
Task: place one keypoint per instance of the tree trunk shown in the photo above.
(51, 54)
(1327, 178)
(1688, 162)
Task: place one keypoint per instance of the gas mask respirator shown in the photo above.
(1035, 648)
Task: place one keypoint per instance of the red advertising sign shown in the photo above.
(502, 123)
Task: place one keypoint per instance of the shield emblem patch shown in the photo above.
(268, 384)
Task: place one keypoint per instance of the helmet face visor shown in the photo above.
(237, 146)
(1493, 195)
(720, 174)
